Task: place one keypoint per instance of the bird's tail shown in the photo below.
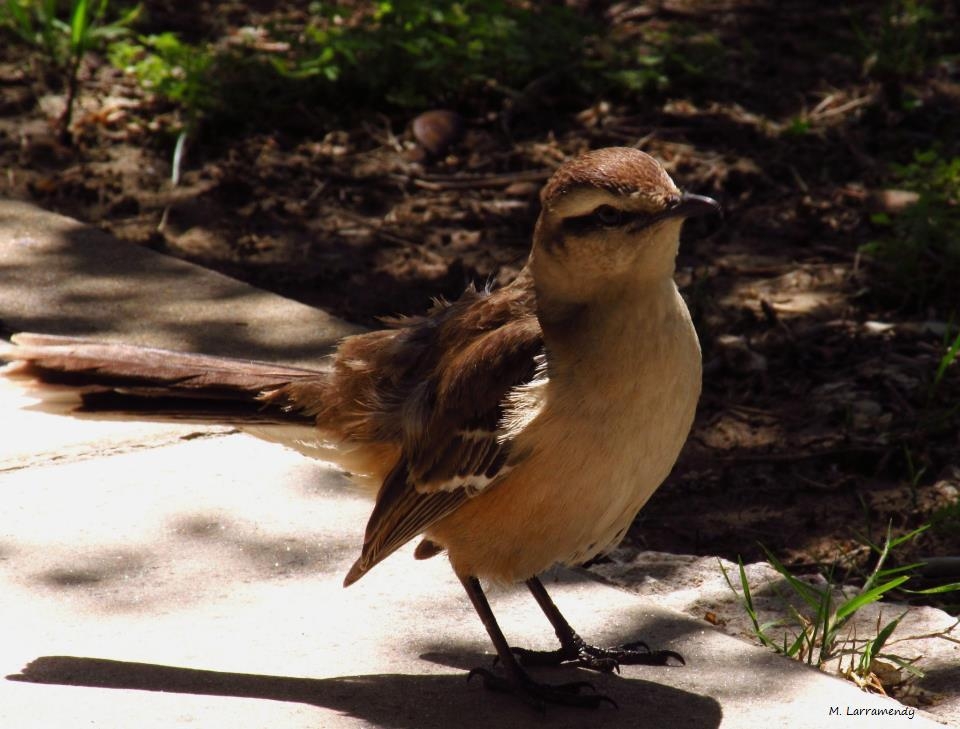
(81, 376)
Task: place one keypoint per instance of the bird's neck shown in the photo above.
(628, 325)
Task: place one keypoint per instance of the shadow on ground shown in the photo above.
(434, 700)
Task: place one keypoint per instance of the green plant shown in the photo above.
(392, 54)
(899, 42)
(919, 256)
(799, 126)
(411, 54)
(630, 67)
(476, 55)
(823, 634)
(164, 65)
(36, 23)
(692, 57)
(65, 35)
(950, 354)
(654, 58)
(902, 41)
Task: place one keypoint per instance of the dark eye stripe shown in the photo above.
(599, 220)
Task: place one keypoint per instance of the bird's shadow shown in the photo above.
(398, 701)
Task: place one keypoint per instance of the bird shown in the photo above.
(513, 428)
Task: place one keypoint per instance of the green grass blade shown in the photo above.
(907, 664)
(51, 29)
(746, 601)
(939, 589)
(794, 648)
(872, 648)
(826, 627)
(907, 537)
(129, 17)
(946, 361)
(48, 11)
(891, 571)
(79, 25)
(865, 598)
(22, 23)
(808, 593)
(884, 635)
(744, 583)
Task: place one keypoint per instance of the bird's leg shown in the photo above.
(573, 648)
(518, 681)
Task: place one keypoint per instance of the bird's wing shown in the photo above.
(401, 513)
(453, 446)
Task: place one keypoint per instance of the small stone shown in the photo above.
(892, 201)
(437, 130)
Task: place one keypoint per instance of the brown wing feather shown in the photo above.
(462, 362)
(400, 514)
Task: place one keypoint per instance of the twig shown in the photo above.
(178, 150)
(824, 103)
(944, 634)
(438, 183)
(843, 108)
(801, 183)
(376, 227)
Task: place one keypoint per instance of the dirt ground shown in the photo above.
(818, 421)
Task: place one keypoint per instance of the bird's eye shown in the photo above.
(608, 216)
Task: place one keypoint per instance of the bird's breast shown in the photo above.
(602, 440)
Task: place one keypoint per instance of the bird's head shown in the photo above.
(610, 219)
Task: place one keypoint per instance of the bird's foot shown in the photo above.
(605, 660)
(538, 695)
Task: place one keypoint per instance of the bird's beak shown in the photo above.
(690, 206)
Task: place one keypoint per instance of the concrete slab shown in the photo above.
(153, 578)
(62, 277)
(200, 584)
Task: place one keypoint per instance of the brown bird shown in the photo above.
(514, 429)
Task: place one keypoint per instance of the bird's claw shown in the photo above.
(604, 660)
